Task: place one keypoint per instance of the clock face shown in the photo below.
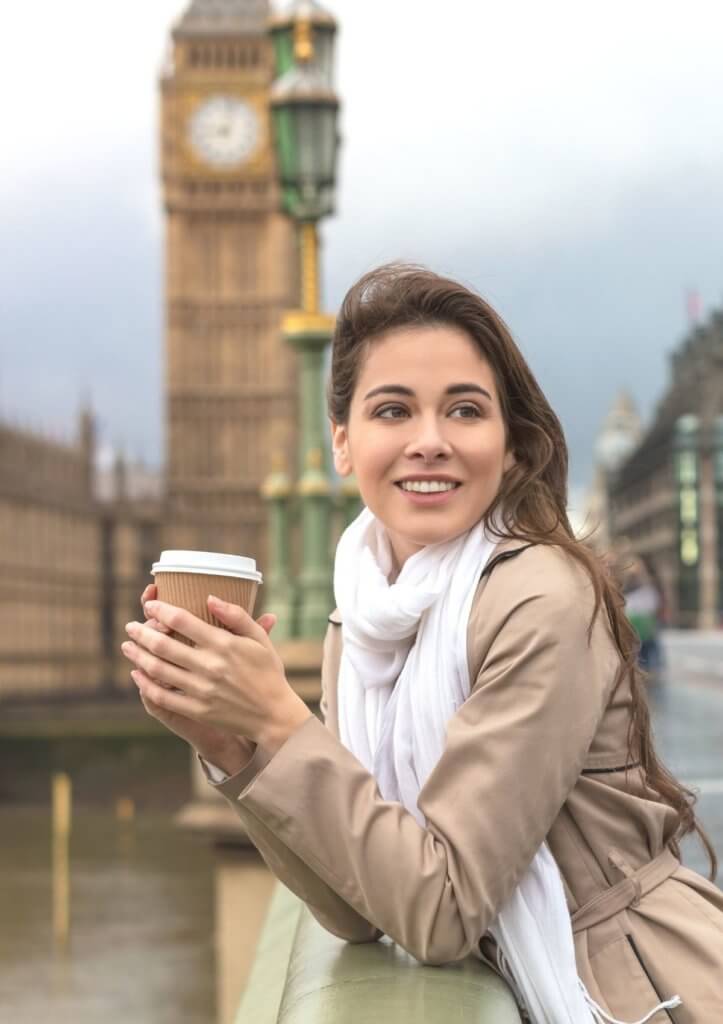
(224, 131)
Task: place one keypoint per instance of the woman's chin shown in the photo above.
(424, 536)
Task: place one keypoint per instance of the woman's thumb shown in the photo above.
(267, 621)
(236, 619)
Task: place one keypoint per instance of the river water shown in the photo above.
(141, 946)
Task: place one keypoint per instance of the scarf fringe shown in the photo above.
(601, 1017)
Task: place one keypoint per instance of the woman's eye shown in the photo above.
(470, 412)
(469, 409)
(389, 408)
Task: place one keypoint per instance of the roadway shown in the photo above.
(688, 720)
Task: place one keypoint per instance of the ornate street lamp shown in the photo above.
(305, 110)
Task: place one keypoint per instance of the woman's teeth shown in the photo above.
(427, 486)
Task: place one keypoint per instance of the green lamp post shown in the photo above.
(276, 490)
(304, 111)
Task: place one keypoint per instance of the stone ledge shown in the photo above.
(304, 975)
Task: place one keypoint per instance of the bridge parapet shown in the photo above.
(304, 975)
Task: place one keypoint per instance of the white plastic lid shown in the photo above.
(208, 563)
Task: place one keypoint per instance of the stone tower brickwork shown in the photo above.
(231, 382)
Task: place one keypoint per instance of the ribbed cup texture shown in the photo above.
(190, 590)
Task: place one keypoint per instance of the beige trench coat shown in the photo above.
(536, 752)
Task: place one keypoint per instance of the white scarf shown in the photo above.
(404, 672)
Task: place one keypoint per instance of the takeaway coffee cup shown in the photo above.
(186, 578)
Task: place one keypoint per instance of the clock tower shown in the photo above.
(230, 380)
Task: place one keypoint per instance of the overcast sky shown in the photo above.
(564, 158)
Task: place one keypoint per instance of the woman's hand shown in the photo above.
(231, 680)
(228, 752)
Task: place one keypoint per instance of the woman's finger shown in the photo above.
(151, 708)
(184, 622)
(141, 679)
(158, 626)
(167, 700)
(162, 671)
(236, 619)
(167, 648)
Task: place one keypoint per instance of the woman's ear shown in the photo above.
(340, 449)
(509, 461)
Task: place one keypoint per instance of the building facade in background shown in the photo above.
(665, 500)
(619, 436)
(77, 541)
(75, 545)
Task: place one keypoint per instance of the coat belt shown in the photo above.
(626, 893)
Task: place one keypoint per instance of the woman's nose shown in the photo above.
(429, 441)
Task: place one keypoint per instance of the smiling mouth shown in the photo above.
(447, 490)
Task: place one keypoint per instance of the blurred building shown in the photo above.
(77, 536)
(75, 543)
(665, 498)
(618, 437)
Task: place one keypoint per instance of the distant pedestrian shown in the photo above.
(643, 607)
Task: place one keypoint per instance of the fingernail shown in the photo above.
(217, 601)
(152, 607)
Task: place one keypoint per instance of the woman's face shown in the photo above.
(425, 408)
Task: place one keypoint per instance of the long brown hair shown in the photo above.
(532, 498)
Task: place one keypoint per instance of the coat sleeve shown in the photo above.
(514, 751)
(323, 901)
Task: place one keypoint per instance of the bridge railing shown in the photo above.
(304, 975)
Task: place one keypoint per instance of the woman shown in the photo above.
(486, 782)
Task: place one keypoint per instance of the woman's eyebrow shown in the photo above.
(400, 389)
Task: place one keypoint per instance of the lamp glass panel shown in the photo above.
(316, 135)
(286, 149)
(324, 55)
